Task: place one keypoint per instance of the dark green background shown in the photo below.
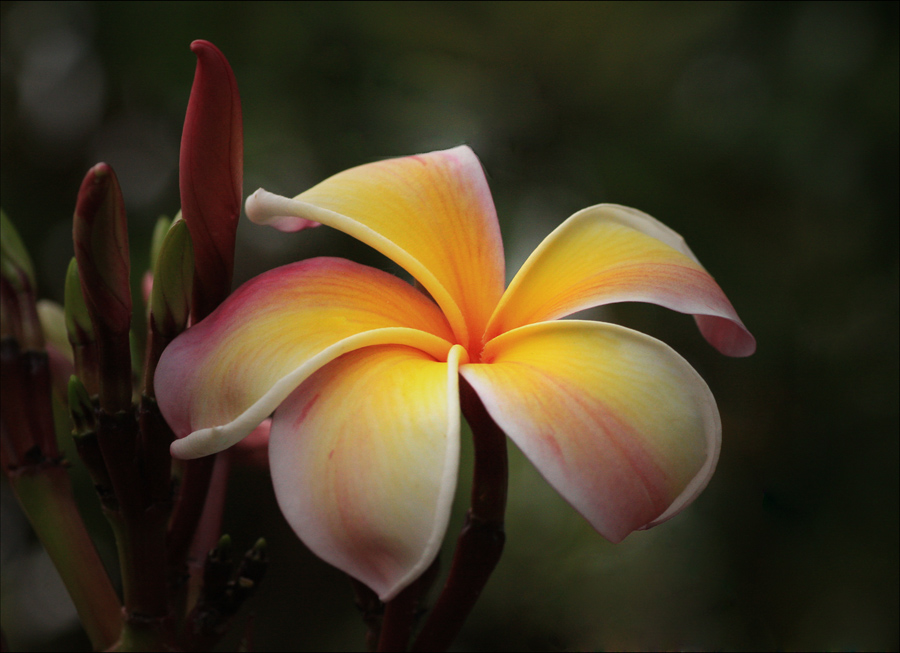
(766, 134)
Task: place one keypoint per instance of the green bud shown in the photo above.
(15, 263)
(223, 548)
(253, 566)
(218, 570)
(173, 277)
(53, 323)
(159, 233)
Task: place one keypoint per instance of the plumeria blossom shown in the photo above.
(361, 369)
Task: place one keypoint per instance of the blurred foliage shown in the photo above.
(766, 134)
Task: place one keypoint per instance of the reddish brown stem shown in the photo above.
(400, 613)
(209, 526)
(372, 611)
(481, 542)
(188, 508)
(141, 541)
(155, 438)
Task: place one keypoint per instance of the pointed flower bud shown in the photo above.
(101, 249)
(211, 174)
(173, 275)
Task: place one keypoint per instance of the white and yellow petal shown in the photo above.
(364, 458)
(617, 422)
(218, 380)
(432, 213)
(609, 253)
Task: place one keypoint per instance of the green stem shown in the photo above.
(45, 494)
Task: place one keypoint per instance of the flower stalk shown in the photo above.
(371, 610)
(481, 541)
(31, 458)
(211, 185)
(401, 612)
(84, 433)
(45, 494)
(125, 443)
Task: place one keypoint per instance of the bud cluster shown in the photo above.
(118, 431)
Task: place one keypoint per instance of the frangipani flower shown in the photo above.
(362, 369)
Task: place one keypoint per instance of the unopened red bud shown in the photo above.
(211, 175)
(101, 249)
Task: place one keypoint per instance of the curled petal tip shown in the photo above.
(609, 253)
(263, 208)
(727, 334)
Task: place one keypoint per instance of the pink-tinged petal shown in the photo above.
(219, 379)
(364, 458)
(617, 422)
(609, 253)
(433, 214)
(211, 173)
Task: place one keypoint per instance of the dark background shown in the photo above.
(766, 134)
